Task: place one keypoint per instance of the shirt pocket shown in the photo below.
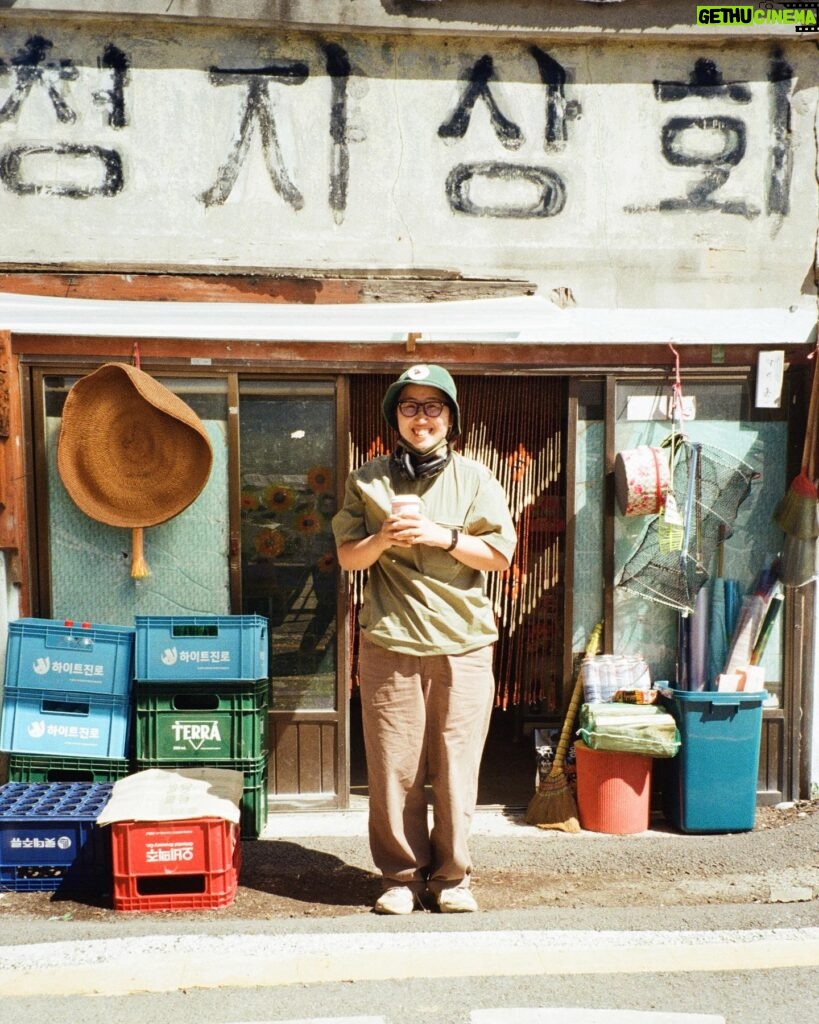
(439, 564)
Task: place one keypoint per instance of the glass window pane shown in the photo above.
(289, 568)
(722, 416)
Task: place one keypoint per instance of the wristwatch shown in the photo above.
(456, 536)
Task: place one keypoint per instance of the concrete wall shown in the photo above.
(670, 19)
(630, 174)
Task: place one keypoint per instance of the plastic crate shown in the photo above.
(710, 786)
(49, 839)
(65, 723)
(254, 794)
(70, 656)
(34, 768)
(199, 647)
(202, 722)
(175, 865)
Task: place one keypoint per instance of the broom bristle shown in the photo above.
(554, 805)
(798, 561)
(796, 512)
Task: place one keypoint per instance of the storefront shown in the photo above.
(485, 187)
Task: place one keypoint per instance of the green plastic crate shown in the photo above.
(208, 723)
(37, 768)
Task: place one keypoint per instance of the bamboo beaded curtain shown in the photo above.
(515, 426)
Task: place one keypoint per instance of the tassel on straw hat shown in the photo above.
(130, 452)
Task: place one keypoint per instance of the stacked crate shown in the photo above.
(175, 839)
(67, 701)
(49, 839)
(201, 700)
(190, 864)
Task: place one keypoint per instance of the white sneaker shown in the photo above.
(398, 900)
(456, 901)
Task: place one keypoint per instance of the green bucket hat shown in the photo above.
(435, 377)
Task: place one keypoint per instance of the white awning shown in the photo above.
(521, 320)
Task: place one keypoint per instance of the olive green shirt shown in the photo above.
(420, 600)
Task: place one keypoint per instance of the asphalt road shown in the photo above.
(726, 926)
(745, 965)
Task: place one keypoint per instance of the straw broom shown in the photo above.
(796, 513)
(554, 805)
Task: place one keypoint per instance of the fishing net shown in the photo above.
(709, 485)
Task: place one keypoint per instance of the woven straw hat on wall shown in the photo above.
(130, 452)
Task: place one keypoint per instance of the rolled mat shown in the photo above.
(745, 633)
(717, 632)
(698, 649)
(733, 606)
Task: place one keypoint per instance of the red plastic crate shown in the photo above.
(175, 865)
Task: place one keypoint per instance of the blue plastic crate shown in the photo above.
(65, 723)
(201, 647)
(49, 839)
(65, 655)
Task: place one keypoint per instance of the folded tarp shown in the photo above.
(629, 728)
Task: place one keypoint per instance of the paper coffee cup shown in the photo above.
(404, 503)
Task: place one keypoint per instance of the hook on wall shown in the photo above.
(676, 410)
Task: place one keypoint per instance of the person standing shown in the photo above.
(427, 638)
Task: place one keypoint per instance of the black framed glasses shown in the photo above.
(432, 409)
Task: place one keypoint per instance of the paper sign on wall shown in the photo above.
(769, 370)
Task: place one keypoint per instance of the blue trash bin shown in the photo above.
(710, 786)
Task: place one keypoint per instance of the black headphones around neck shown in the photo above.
(420, 467)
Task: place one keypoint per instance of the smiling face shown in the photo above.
(421, 431)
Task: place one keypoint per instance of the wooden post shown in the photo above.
(12, 472)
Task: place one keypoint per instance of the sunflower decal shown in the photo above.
(269, 543)
(326, 563)
(250, 501)
(320, 480)
(278, 498)
(307, 523)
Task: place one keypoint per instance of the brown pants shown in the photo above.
(425, 721)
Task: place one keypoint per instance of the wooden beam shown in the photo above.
(293, 288)
(184, 287)
(366, 357)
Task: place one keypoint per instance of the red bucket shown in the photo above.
(613, 790)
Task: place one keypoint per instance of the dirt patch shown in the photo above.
(777, 861)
